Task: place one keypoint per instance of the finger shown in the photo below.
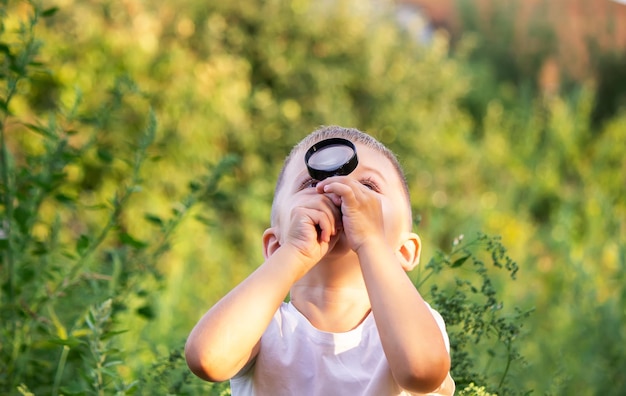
(323, 214)
(332, 207)
(325, 224)
(335, 199)
(345, 192)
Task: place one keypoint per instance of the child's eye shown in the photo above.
(309, 183)
(369, 183)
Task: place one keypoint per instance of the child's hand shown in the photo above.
(361, 209)
(314, 221)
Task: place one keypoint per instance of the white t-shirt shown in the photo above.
(297, 359)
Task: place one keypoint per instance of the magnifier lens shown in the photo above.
(331, 157)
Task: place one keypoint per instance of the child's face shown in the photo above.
(374, 171)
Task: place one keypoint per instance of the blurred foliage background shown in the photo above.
(173, 118)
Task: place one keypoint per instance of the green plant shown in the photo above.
(484, 338)
(71, 270)
(473, 390)
(171, 375)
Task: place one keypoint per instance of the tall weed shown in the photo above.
(485, 336)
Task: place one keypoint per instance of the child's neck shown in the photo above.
(331, 305)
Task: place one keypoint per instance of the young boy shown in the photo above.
(355, 323)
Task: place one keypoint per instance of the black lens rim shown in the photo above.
(345, 169)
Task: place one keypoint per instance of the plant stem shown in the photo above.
(119, 203)
(508, 364)
(60, 368)
(5, 225)
(8, 199)
(8, 190)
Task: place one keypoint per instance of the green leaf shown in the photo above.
(6, 49)
(49, 12)
(194, 186)
(127, 239)
(204, 220)
(40, 249)
(458, 262)
(146, 311)
(82, 244)
(105, 155)
(21, 216)
(63, 198)
(111, 334)
(39, 129)
(154, 219)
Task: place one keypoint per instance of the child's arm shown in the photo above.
(411, 338)
(227, 336)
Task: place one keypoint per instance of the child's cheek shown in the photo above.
(391, 226)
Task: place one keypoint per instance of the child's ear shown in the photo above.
(270, 242)
(409, 251)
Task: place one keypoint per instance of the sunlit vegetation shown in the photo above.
(140, 143)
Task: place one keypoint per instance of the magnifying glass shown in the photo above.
(331, 157)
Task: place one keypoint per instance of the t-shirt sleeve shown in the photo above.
(247, 370)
